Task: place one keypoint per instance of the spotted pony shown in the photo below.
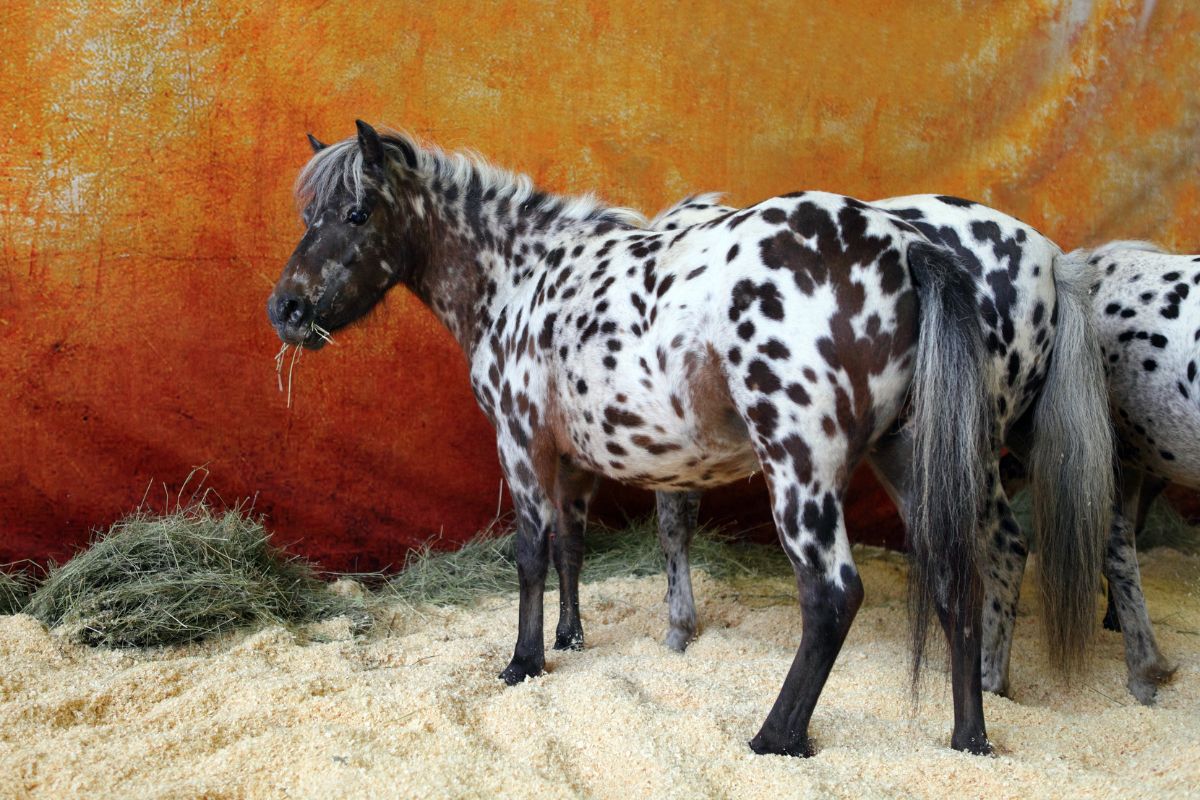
(1147, 307)
(1015, 260)
(793, 337)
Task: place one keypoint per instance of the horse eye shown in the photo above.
(356, 216)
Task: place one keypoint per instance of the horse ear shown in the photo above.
(370, 144)
(317, 144)
(410, 155)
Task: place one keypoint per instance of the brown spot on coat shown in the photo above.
(718, 424)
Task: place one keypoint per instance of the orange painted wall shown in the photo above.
(147, 151)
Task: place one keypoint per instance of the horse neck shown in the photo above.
(482, 250)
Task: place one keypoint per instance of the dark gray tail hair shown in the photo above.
(1071, 465)
(952, 430)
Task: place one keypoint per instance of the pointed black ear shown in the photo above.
(317, 144)
(370, 144)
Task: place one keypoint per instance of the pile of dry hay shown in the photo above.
(167, 580)
(162, 580)
(14, 591)
(487, 566)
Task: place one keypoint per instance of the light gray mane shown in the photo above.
(340, 165)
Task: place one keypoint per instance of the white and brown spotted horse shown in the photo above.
(786, 337)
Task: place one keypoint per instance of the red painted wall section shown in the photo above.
(147, 153)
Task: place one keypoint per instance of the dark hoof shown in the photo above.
(1145, 682)
(995, 686)
(569, 641)
(518, 670)
(678, 639)
(975, 745)
(1111, 621)
(1145, 692)
(766, 746)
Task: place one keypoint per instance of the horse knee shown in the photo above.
(531, 554)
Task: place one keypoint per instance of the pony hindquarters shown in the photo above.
(816, 350)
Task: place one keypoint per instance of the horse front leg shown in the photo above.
(535, 515)
(677, 516)
(573, 491)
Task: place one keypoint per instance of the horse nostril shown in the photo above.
(293, 311)
(296, 311)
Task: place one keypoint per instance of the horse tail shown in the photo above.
(1071, 476)
(952, 433)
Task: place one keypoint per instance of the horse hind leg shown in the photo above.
(958, 606)
(1148, 669)
(1111, 621)
(960, 611)
(574, 490)
(1006, 552)
(961, 621)
(1147, 489)
(806, 490)
(831, 593)
(677, 516)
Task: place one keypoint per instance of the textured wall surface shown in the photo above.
(147, 151)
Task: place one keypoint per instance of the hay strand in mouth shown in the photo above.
(323, 333)
(297, 351)
(279, 366)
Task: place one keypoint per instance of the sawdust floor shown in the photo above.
(414, 708)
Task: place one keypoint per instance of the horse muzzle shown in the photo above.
(294, 318)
